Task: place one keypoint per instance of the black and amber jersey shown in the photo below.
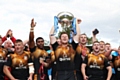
(116, 64)
(81, 51)
(64, 56)
(96, 64)
(36, 54)
(19, 64)
(3, 55)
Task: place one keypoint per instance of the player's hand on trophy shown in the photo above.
(78, 20)
(33, 24)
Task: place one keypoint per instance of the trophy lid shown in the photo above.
(65, 16)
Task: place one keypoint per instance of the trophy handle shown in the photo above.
(74, 26)
(56, 24)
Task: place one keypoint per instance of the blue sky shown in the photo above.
(101, 14)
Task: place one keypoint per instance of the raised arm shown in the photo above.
(108, 54)
(13, 39)
(52, 36)
(94, 32)
(5, 37)
(31, 34)
(25, 42)
(76, 37)
(94, 38)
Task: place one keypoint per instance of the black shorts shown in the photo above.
(65, 75)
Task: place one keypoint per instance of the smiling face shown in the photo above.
(40, 43)
(64, 38)
(19, 47)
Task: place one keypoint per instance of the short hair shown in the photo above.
(107, 44)
(61, 33)
(18, 40)
(39, 38)
(102, 42)
(96, 42)
(83, 34)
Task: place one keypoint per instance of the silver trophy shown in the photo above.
(64, 22)
(65, 19)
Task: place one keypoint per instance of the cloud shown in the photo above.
(101, 14)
